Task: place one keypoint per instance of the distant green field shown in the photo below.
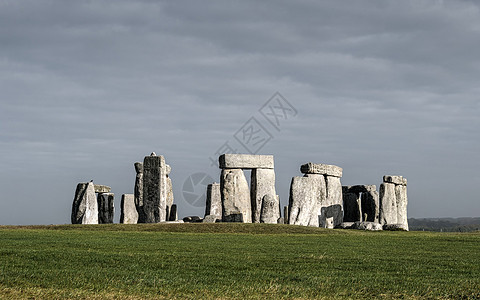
(224, 261)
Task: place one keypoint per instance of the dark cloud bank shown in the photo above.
(381, 87)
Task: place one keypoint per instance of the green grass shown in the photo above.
(224, 261)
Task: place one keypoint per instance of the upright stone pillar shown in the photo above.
(307, 195)
(85, 206)
(370, 204)
(270, 210)
(236, 204)
(154, 189)
(351, 206)
(106, 208)
(129, 213)
(138, 192)
(332, 215)
(262, 184)
(169, 193)
(388, 204)
(214, 201)
(173, 213)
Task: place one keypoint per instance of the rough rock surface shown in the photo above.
(332, 211)
(106, 208)
(262, 184)
(138, 192)
(214, 200)
(351, 207)
(322, 169)
(85, 205)
(402, 201)
(245, 161)
(129, 213)
(395, 227)
(372, 226)
(370, 206)
(306, 197)
(211, 219)
(235, 196)
(154, 189)
(388, 204)
(169, 197)
(270, 209)
(102, 188)
(173, 213)
(395, 179)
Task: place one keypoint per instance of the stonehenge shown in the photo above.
(316, 199)
(241, 204)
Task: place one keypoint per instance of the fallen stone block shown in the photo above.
(395, 227)
(192, 219)
(245, 161)
(371, 226)
(211, 219)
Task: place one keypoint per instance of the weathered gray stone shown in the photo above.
(211, 219)
(332, 210)
(285, 214)
(169, 197)
(370, 206)
(345, 225)
(371, 226)
(402, 201)
(168, 169)
(85, 205)
(395, 179)
(352, 207)
(388, 204)
(214, 200)
(102, 188)
(395, 227)
(173, 213)
(138, 192)
(106, 208)
(306, 197)
(245, 161)
(192, 219)
(154, 189)
(262, 184)
(281, 220)
(235, 196)
(270, 210)
(129, 213)
(358, 188)
(322, 169)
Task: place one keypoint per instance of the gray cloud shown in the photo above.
(90, 87)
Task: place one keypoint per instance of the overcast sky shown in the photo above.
(87, 88)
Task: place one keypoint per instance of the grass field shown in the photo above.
(223, 261)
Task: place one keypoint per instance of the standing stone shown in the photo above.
(154, 189)
(270, 210)
(173, 213)
(236, 204)
(332, 213)
(169, 186)
(285, 214)
(129, 213)
(262, 184)
(388, 204)
(106, 208)
(138, 192)
(370, 204)
(85, 206)
(306, 197)
(214, 201)
(352, 207)
(402, 201)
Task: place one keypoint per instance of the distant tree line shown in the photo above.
(445, 224)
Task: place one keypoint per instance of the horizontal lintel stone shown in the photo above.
(245, 161)
(399, 180)
(329, 170)
(102, 188)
